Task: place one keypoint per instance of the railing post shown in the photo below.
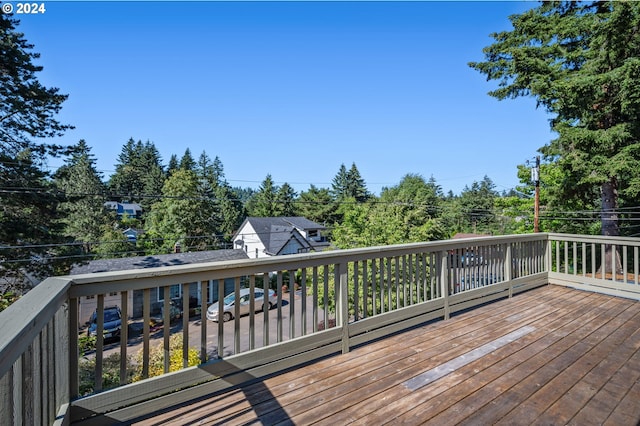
(444, 281)
(342, 304)
(508, 265)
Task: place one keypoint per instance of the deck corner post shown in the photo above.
(342, 305)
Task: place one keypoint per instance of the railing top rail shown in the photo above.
(166, 275)
(595, 239)
(21, 322)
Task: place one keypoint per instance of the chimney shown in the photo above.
(176, 248)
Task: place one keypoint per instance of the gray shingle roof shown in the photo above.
(276, 232)
(142, 262)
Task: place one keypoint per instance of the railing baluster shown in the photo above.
(390, 285)
(356, 291)
(252, 310)
(374, 281)
(325, 283)
(265, 318)
(635, 264)
(186, 295)
(236, 316)
(166, 327)
(279, 291)
(124, 335)
(220, 302)
(146, 329)
(204, 304)
(303, 314)
(314, 308)
(292, 304)
(383, 289)
(99, 342)
(624, 263)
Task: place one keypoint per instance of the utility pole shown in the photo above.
(535, 176)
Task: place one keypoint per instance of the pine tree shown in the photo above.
(187, 162)
(581, 62)
(139, 174)
(28, 220)
(285, 205)
(264, 203)
(83, 212)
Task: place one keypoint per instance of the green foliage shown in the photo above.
(86, 344)
(408, 212)
(7, 298)
(579, 60)
(28, 216)
(82, 210)
(182, 216)
(349, 184)
(264, 203)
(139, 174)
(110, 373)
(316, 204)
(156, 358)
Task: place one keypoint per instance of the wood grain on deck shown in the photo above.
(575, 360)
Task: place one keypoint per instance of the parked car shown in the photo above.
(112, 323)
(230, 300)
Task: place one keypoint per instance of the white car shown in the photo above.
(229, 304)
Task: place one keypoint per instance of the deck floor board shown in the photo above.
(576, 360)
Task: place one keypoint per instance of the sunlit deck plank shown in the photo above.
(578, 363)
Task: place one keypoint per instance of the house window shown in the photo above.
(113, 293)
(90, 297)
(256, 252)
(175, 292)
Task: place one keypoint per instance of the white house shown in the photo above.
(275, 236)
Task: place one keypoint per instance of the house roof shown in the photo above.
(153, 261)
(280, 237)
(276, 232)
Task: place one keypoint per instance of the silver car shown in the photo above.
(230, 300)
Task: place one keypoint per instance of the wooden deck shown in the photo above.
(549, 356)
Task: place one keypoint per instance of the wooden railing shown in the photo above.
(336, 300)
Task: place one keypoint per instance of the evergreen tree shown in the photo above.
(27, 112)
(83, 212)
(340, 184)
(182, 216)
(581, 62)
(286, 201)
(356, 186)
(476, 206)
(264, 203)
(187, 162)
(349, 184)
(317, 205)
(173, 165)
(139, 175)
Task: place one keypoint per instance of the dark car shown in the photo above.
(112, 323)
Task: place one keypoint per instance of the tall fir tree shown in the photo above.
(264, 203)
(29, 233)
(581, 62)
(83, 213)
(139, 175)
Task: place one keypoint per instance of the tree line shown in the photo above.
(579, 60)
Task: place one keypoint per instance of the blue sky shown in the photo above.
(291, 89)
